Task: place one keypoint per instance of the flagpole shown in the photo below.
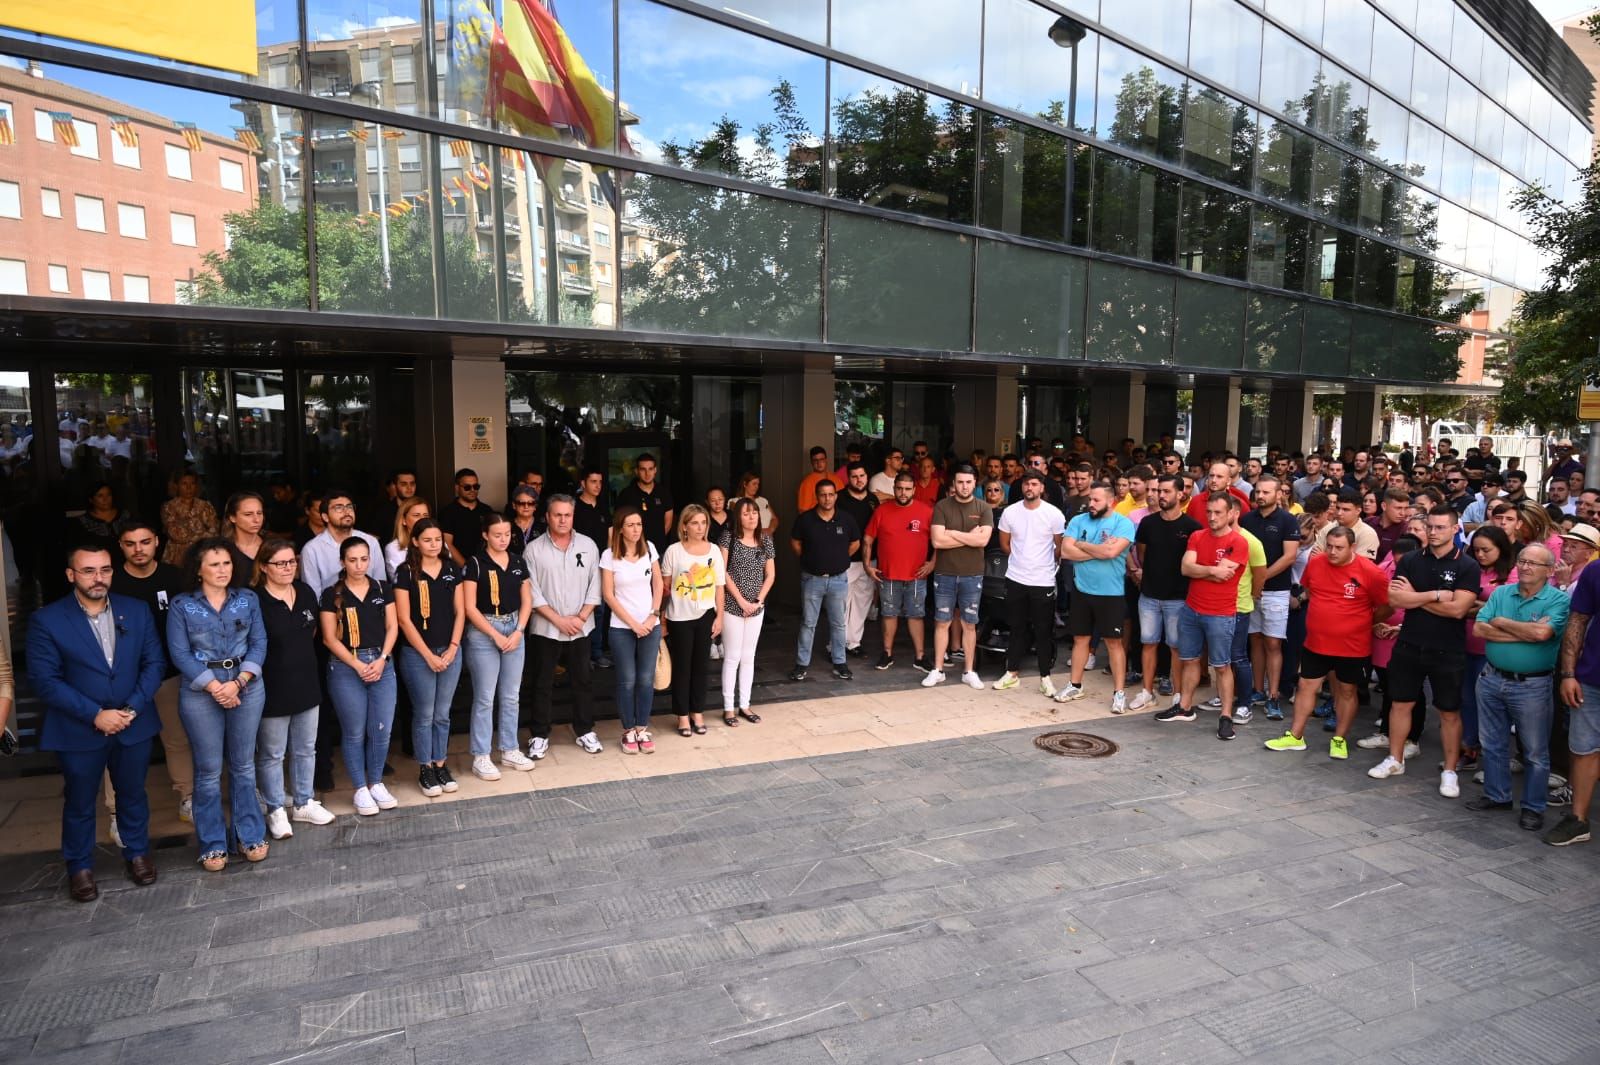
(383, 211)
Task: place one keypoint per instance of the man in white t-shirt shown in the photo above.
(1030, 534)
(882, 483)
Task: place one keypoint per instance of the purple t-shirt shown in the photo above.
(1586, 600)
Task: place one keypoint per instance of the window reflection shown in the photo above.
(1225, 44)
(901, 148)
(369, 51)
(936, 40)
(106, 434)
(1213, 231)
(337, 425)
(1030, 302)
(1140, 102)
(1025, 69)
(1347, 33)
(1272, 333)
(1161, 25)
(898, 285)
(1327, 339)
(1219, 136)
(1135, 210)
(1278, 248)
(1023, 185)
(803, 18)
(1392, 49)
(1288, 74)
(1376, 279)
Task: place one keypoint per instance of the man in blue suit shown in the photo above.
(96, 661)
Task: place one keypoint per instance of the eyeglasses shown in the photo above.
(468, 487)
(287, 563)
(340, 506)
(1531, 562)
(523, 503)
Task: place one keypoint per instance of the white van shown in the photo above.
(1459, 433)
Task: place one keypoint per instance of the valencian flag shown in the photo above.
(123, 127)
(511, 156)
(398, 208)
(247, 137)
(460, 149)
(360, 133)
(393, 134)
(479, 175)
(191, 135)
(8, 136)
(62, 121)
(466, 190)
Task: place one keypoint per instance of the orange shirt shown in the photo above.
(806, 497)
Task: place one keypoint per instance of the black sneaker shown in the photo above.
(949, 663)
(842, 671)
(855, 652)
(441, 773)
(1568, 830)
(1531, 820)
(799, 672)
(428, 780)
(923, 664)
(1224, 728)
(885, 660)
(1176, 713)
(1483, 802)
(958, 653)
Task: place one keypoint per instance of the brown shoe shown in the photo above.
(141, 870)
(81, 886)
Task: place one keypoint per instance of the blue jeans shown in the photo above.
(634, 658)
(431, 694)
(600, 636)
(296, 734)
(1530, 706)
(366, 717)
(496, 685)
(1244, 677)
(1469, 702)
(1206, 634)
(218, 737)
(815, 594)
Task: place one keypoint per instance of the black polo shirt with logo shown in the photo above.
(825, 544)
(1429, 573)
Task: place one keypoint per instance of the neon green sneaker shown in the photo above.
(1338, 748)
(1007, 682)
(1287, 742)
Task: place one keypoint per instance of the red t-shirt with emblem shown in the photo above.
(1217, 598)
(1343, 601)
(1197, 506)
(901, 536)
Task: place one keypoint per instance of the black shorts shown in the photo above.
(1314, 666)
(1098, 615)
(1443, 671)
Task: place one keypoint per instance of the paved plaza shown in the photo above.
(969, 900)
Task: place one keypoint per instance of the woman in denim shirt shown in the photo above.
(217, 643)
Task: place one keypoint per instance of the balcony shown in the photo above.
(573, 243)
(334, 179)
(579, 282)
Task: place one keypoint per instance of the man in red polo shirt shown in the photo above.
(1218, 479)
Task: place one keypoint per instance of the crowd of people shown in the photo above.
(257, 642)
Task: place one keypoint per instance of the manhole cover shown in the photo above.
(1075, 745)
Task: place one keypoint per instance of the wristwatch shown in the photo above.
(1566, 676)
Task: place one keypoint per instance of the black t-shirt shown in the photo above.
(433, 611)
(289, 676)
(244, 567)
(592, 520)
(155, 592)
(499, 590)
(1274, 532)
(1165, 543)
(464, 526)
(825, 545)
(1428, 572)
(860, 510)
(366, 613)
(654, 505)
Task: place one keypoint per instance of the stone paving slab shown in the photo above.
(967, 901)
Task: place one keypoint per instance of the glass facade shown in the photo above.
(947, 192)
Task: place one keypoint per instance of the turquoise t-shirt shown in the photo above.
(1100, 576)
(1507, 601)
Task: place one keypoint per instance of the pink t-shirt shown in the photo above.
(1487, 583)
(1383, 649)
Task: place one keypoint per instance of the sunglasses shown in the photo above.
(469, 488)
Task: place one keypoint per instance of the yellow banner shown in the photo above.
(216, 33)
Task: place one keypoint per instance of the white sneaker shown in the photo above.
(1047, 687)
(1242, 715)
(1449, 786)
(1410, 750)
(716, 652)
(381, 796)
(186, 810)
(1090, 664)
(934, 678)
(312, 813)
(1142, 700)
(971, 679)
(538, 747)
(1387, 768)
(590, 742)
(278, 824)
(513, 758)
(1477, 778)
(365, 805)
(1069, 692)
(483, 767)
(1213, 703)
(1119, 702)
(1378, 741)
(1007, 681)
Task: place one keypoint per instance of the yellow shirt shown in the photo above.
(1257, 556)
(1126, 505)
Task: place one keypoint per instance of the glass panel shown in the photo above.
(1461, 111)
(1515, 149)
(1376, 278)
(1485, 186)
(713, 98)
(106, 432)
(278, 43)
(1328, 193)
(1496, 72)
(1402, 11)
(1278, 248)
(367, 51)
(1375, 350)
(697, 259)
(898, 285)
(1430, 85)
(337, 413)
(1023, 184)
(467, 204)
(1289, 73)
(1489, 135)
(803, 18)
(1283, 169)
(1391, 58)
(1272, 335)
(1210, 325)
(1225, 44)
(1419, 219)
(1342, 96)
(1161, 25)
(1135, 210)
(1377, 209)
(1425, 152)
(1335, 266)
(264, 425)
(1129, 315)
(901, 148)
(207, 429)
(1453, 232)
(1026, 70)
(1456, 179)
(1466, 45)
(1140, 102)
(1218, 136)
(1213, 232)
(1030, 302)
(1387, 127)
(943, 49)
(1347, 33)
(1327, 339)
(1302, 16)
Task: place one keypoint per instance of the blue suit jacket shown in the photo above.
(70, 674)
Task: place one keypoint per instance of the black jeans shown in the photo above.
(574, 654)
(689, 644)
(1031, 614)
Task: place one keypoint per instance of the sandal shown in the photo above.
(699, 730)
(258, 853)
(754, 719)
(730, 720)
(685, 733)
(214, 862)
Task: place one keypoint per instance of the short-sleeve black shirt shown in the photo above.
(1428, 572)
(592, 520)
(492, 580)
(367, 612)
(464, 526)
(860, 511)
(1165, 543)
(825, 545)
(289, 675)
(436, 618)
(653, 505)
(1274, 532)
(155, 592)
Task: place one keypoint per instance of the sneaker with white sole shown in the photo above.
(1449, 785)
(934, 678)
(590, 743)
(1090, 663)
(278, 824)
(1069, 692)
(1141, 699)
(186, 810)
(1387, 768)
(1410, 750)
(1047, 687)
(1119, 702)
(312, 813)
(971, 679)
(630, 741)
(538, 747)
(116, 836)
(716, 652)
(366, 806)
(483, 767)
(381, 796)
(1213, 703)
(513, 758)
(441, 773)
(1242, 715)
(1378, 741)
(1007, 681)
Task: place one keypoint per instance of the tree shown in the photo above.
(1426, 407)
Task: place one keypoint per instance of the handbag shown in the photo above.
(663, 667)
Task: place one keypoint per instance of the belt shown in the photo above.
(225, 663)
(1508, 675)
(499, 617)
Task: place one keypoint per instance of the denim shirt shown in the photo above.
(197, 634)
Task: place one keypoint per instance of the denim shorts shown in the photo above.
(1271, 615)
(1205, 633)
(903, 599)
(1583, 723)
(1158, 620)
(951, 593)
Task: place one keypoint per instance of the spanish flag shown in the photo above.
(247, 137)
(8, 136)
(123, 127)
(62, 120)
(540, 85)
(191, 136)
